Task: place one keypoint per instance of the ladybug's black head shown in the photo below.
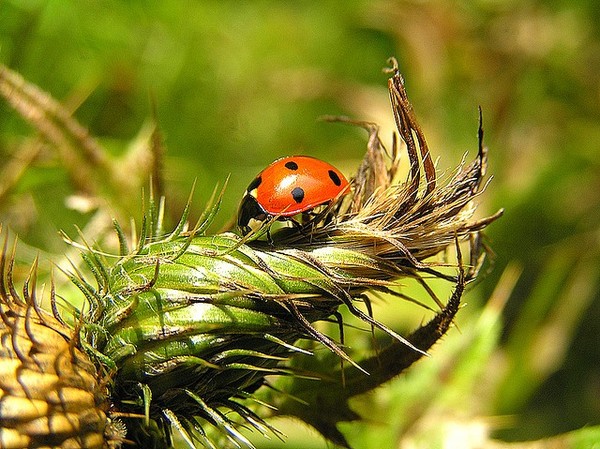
(251, 215)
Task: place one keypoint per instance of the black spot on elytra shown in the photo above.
(298, 194)
(291, 165)
(335, 178)
(254, 184)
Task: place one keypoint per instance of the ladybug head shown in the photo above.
(251, 215)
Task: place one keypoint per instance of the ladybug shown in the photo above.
(289, 186)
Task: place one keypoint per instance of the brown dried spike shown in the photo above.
(407, 124)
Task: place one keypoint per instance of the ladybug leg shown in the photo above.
(269, 238)
(307, 217)
(324, 217)
(296, 224)
(301, 226)
(317, 217)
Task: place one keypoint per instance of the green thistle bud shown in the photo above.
(181, 331)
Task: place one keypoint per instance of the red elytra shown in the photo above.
(290, 186)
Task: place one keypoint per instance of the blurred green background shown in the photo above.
(238, 84)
